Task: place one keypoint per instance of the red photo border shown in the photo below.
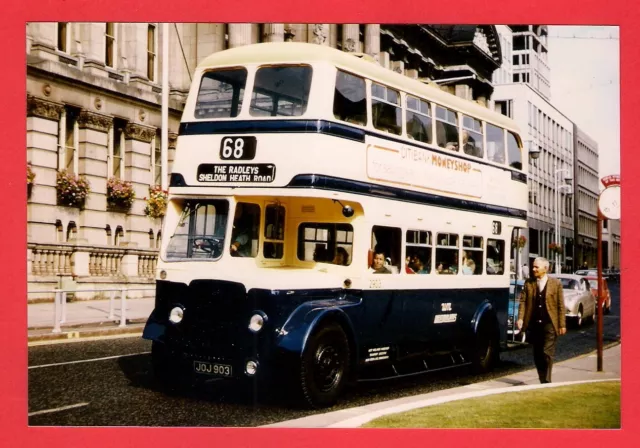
(13, 318)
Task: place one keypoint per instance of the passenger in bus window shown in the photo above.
(469, 146)
(241, 234)
(342, 257)
(419, 267)
(440, 268)
(408, 263)
(378, 267)
(468, 265)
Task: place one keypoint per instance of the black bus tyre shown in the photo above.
(486, 348)
(324, 366)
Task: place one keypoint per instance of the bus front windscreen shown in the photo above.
(200, 231)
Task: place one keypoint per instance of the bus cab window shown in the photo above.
(386, 110)
(495, 143)
(495, 257)
(385, 250)
(419, 252)
(281, 91)
(200, 231)
(446, 260)
(472, 252)
(274, 219)
(325, 243)
(244, 234)
(220, 94)
(350, 99)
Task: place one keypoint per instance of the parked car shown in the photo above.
(578, 298)
(512, 311)
(593, 283)
(585, 272)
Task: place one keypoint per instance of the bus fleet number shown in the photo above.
(237, 148)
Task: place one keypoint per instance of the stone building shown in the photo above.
(94, 110)
(587, 191)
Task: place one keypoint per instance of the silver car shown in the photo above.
(578, 299)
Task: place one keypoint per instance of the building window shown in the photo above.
(110, 44)
(151, 53)
(63, 36)
(516, 77)
(68, 140)
(116, 148)
(156, 161)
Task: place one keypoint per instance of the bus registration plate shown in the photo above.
(208, 368)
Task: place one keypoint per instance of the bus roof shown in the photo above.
(297, 52)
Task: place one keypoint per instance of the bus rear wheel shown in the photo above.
(485, 353)
(325, 366)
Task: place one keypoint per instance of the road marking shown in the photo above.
(87, 360)
(63, 408)
(84, 339)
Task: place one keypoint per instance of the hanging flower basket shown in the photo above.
(120, 194)
(156, 202)
(519, 243)
(72, 190)
(555, 248)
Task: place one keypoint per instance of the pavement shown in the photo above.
(101, 318)
(573, 371)
(87, 318)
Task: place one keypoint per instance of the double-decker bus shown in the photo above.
(329, 221)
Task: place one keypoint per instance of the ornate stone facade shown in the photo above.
(92, 120)
(37, 107)
(138, 132)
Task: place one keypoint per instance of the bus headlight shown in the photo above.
(176, 315)
(251, 368)
(257, 322)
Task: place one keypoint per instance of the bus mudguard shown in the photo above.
(155, 328)
(308, 317)
(484, 311)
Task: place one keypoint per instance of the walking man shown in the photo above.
(542, 312)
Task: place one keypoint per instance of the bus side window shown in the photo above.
(495, 257)
(419, 253)
(274, 219)
(495, 143)
(446, 260)
(386, 245)
(350, 99)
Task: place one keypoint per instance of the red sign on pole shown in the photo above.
(613, 179)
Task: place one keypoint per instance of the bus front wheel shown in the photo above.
(485, 348)
(325, 366)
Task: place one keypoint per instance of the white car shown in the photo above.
(578, 299)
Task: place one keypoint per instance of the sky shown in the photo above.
(584, 63)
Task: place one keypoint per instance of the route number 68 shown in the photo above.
(237, 148)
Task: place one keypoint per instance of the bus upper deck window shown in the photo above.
(220, 94)
(386, 112)
(472, 137)
(513, 148)
(495, 143)
(350, 99)
(419, 120)
(281, 91)
(447, 134)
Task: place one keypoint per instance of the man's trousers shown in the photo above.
(543, 338)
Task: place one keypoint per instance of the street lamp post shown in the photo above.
(568, 180)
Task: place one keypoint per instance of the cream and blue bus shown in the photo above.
(331, 221)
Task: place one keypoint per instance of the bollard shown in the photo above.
(63, 302)
(123, 308)
(56, 312)
(112, 299)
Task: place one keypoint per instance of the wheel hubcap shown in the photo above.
(328, 367)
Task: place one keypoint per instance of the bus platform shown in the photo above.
(572, 371)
